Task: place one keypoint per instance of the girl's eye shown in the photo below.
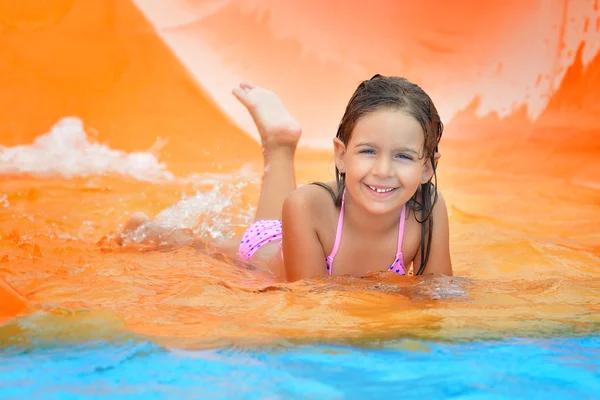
(367, 151)
(404, 157)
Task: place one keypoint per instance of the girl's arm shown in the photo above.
(439, 255)
(302, 250)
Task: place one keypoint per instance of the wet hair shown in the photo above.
(382, 92)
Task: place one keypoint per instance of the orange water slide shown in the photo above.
(119, 66)
(134, 71)
(102, 62)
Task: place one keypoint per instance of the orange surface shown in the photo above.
(102, 62)
(519, 170)
(12, 303)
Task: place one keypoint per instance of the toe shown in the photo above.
(135, 221)
(247, 85)
(242, 96)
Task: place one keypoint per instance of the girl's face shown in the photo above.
(383, 161)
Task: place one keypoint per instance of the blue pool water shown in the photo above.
(512, 369)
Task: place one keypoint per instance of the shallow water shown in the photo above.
(525, 258)
(516, 369)
(519, 319)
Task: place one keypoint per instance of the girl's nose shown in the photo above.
(382, 167)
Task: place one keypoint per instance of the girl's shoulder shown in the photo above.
(316, 199)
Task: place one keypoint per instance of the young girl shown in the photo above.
(383, 212)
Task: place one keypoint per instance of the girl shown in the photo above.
(383, 212)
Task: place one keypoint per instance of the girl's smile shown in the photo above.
(381, 191)
(382, 160)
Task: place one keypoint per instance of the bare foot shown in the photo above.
(142, 233)
(135, 221)
(277, 128)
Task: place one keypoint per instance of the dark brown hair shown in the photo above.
(382, 92)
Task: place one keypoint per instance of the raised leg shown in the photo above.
(279, 133)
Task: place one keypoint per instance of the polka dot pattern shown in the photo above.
(263, 232)
(257, 235)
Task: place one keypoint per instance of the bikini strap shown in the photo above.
(401, 231)
(338, 237)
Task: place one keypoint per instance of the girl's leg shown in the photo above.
(279, 134)
(136, 220)
(142, 232)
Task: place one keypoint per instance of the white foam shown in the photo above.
(211, 214)
(68, 151)
(208, 214)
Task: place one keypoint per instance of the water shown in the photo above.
(520, 319)
(519, 173)
(516, 369)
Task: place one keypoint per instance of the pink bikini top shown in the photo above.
(397, 266)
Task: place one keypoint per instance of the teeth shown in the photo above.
(380, 190)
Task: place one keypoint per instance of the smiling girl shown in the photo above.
(382, 213)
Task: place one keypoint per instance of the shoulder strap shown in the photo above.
(338, 236)
(401, 229)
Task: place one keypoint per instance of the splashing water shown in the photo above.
(208, 215)
(67, 151)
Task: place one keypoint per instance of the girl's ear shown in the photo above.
(428, 168)
(339, 151)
